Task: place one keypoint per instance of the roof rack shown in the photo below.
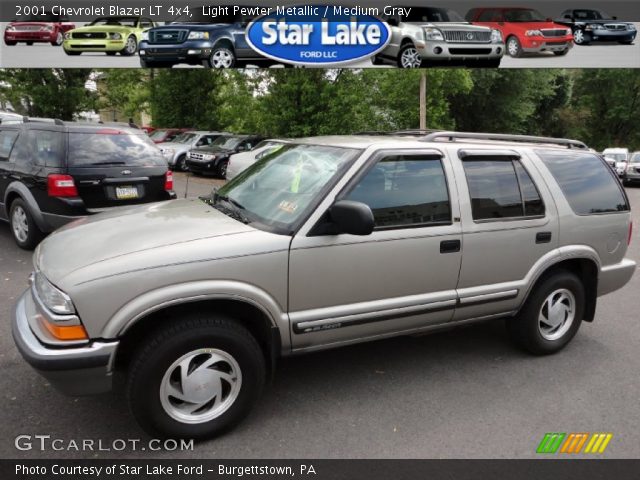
(453, 136)
(55, 121)
(414, 131)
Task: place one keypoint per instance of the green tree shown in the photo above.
(125, 90)
(56, 93)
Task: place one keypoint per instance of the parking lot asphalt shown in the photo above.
(465, 393)
(597, 55)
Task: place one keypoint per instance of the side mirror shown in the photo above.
(392, 21)
(354, 218)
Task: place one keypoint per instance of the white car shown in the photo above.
(241, 161)
(618, 155)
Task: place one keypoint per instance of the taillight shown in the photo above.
(61, 186)
(168, 180)
(630, 232)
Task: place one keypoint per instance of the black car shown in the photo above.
(213, 159)
(199, 39)
(52, 172)
(593, 25)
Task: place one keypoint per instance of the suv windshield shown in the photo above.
(419, 14)
(277, 190)
(113, 148)
(116, 21)
(524, 15)
(226, 142)
(184, 138)
(635, 158)
(618, 157)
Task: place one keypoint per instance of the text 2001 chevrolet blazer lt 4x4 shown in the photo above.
(327, 242)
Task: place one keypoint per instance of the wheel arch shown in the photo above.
(226, 41)
(18, 190)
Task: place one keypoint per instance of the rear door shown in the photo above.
(8, 138)
(113, 168)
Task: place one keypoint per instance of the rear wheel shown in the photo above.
(23, 227)
(196, 378)
(551, 316)
(131, 47)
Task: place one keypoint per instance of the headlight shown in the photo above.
(433, 34)
(631, 27)
(10, 28)
(168, 151)
(496, 36)
(594, 26)
(198, 36)
(208, 156)
(53, 298)
(145, 35)
(533, 33)
(115, 36)
(67, 36)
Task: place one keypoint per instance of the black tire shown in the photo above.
(222, 56)
(29, 43)
(11, 43)
(111, 54)
(628, 42)
(514, 47)
(561, 53)
(583, 38)
(376, 60)
(181, 163)
(128, 50)
(524, 329)
(493, 63)
(71, 52)
(403, 50)
(152, 64)
(33, 233)
(168, 345)
(221, 169)
(59, 39)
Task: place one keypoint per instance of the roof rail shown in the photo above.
(55, 121)
(414, 131)
(453, 136)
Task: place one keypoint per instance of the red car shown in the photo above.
(161, 135)
(46, 28)
(524, 30)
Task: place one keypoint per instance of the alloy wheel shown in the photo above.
(557, 314)
(410, 58)
(131, 46)
(20, 224)
(200, 386)
(578, 37)
(513, 47)
(222, 58)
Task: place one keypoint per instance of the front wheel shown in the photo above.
(561, 53)
(131, 47)
(222, 168)
(581, 38)
(376, 60)
(551, 316)
(72, 52)
(181, 163)
(221, 57)
(23, 227)
(627, 42)
(29, 43)
(196, 378)
(409, 57)
(514, 48)
(11, 43)
(58, 40)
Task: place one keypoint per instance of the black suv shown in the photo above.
(199, 39)
(213, 159)
(52, 172)
(592, 25)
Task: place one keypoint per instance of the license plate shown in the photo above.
(126, 193)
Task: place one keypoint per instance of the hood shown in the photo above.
(537, 25)
(213, 150)
(132, 236)
(173, 145)
(104, 28)
(464, 26)
(30, 24)
(192, 26)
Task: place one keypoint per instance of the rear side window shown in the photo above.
(113, 148)
(501, 189)
(405, 191)
(46, 148)
(587, 182)
(7, 139)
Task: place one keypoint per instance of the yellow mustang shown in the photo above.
(107, 34)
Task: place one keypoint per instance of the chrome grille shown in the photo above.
(462, 36)
(85, 35)
(615, 26)
(167, 36)
(27, 28)
(555, 32)
(198, 157)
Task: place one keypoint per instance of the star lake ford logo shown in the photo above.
(317, 35)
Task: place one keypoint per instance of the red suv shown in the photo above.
(525, 30)
(47, 28)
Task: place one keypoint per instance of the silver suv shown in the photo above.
(176, 150)
(326, 242)
(423, 35)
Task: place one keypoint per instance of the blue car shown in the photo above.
(199, 39)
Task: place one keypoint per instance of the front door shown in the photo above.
(402, 277)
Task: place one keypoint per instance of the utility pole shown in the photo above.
(423, 99)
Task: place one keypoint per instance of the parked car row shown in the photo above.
(420, 35)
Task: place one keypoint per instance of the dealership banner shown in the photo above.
(375, 33)
(317, 469)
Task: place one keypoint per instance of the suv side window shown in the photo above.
(587, 182)
(501, 189)
(46, 147)
(405, 191)
(7, 139)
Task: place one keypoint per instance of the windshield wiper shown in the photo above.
(236, 208)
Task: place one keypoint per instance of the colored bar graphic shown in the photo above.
(550, 443)
(573, 443)
(598, 443)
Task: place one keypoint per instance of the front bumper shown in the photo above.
(208, 167)
(94, 45)
(431, 50)
(76, 370)
(616, 276)
(190, 51)
(632, 174)
(612, 35)
(29, 36)
(546, 44)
